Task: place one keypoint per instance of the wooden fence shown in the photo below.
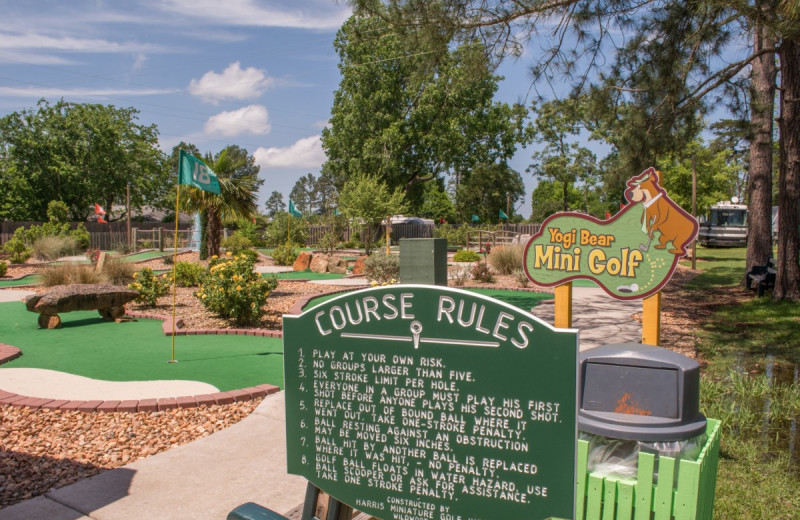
(112, 235)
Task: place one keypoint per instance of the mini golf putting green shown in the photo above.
(25, 280)
(304, 275)
(522, 299)
(138, 351)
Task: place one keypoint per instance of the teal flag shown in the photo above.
(475, 218)
(194, 172)
(503, 214)
(293, 211)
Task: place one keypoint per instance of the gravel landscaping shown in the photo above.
(45, 449)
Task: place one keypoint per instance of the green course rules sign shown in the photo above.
(414, 402)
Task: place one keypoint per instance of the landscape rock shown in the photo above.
(337, 265)
(359, 267)
(319, 264)
(303, 261)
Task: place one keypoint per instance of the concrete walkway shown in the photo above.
(600, 318)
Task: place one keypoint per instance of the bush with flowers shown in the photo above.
(149, 286)
(233, 290)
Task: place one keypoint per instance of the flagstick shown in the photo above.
(174, 271)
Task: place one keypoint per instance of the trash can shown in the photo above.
(644, 449)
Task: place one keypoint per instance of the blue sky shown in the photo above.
(259, 74)
(254, 73)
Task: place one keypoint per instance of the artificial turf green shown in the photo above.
(144, 255)
(304, 275)
(25, 280)
(138, 351)
(523, 300)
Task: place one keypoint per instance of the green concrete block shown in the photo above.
(423, 261)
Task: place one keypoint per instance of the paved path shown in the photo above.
(600, 318)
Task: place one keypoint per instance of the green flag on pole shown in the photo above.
(503, 214)
(194, 172)
(293, 211)
(475, 218)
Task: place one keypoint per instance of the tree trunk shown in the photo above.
(787, 283)
(759, 183)
(214, 230)
(203, 249)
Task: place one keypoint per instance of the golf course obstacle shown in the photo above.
(108, 300)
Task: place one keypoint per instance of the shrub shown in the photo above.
(280, 230)
(233, 290)
(149, 286)
(17, 250)
(68, 274)
(63, 229)
(50, 247)
(236, 243)
(3, 268)
(460, 276)
(122, 247)
(466, 255)
(455, 235)
(482, 272)
(249, 230)
(285, 254)
(506, 259)
(188, 274)
(521, 277)
(117, 272)
(381, 268)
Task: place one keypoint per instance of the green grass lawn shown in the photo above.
(751, 383)
(138, 351)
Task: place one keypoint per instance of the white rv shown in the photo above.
(726, 225)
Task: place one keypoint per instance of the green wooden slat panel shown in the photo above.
(609, 499)
(644, 486)
(581, 476)
(594, 497)
(688, 490)
(624, 501)
(662, 503)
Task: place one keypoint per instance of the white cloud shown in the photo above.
(305, 153)
(313, 15)
(252, 119)
(45, 92)
(233, 83)
(31, 40)
(139, 61)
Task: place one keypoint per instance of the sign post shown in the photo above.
(426, 402)
(631, 256)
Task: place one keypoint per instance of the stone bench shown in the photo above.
(108, 300)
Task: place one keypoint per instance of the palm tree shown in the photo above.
(238, 185)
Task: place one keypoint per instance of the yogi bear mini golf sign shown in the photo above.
(631, 255)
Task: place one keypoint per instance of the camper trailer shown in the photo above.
(726, 225)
